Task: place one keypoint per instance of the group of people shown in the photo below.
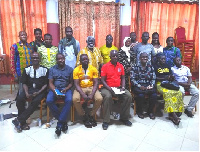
(44, 70)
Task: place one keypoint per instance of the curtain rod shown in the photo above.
(171, 1)
(96, 3)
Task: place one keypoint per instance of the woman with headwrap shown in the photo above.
(124, 59)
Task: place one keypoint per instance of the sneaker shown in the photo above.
(126, 122)
(86, 121)
(188, 113)
(92, 121)
(17, 125)
(64, 127)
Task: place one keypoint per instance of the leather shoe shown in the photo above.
(86, 121)
(178, 114)
(17, 125)
(188, 113)
(58, 130)
(105, 125)
(151, 116)
(126, 122)
(141, 116)
(92, 121)
(64, 127)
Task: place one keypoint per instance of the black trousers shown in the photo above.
(140, 99)
(24, 114)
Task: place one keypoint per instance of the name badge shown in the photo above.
(34, 85)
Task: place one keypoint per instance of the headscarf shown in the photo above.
(126, 49)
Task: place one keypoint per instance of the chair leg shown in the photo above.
(195, 108)
(72, 113)
(134, 107)
(41, 105)
(48, 114)
(11, 87)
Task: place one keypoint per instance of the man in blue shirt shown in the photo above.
(60, 78)
(171, 52)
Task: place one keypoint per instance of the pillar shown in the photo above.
(125, 20)
(53, 21)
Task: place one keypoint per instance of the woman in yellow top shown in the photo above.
(105, 49)
(174, 105)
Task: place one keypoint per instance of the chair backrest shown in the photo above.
(179, 35)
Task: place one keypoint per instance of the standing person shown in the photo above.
(34, 80)
(48, 52)
(60, 78)
(105, 49)
(183, 75)
(20, 57)
(38, 39)
(140, 48)
(112, 75)
(133, 39)
(69, 47)
(86, 82)
(143, 81)
(94, 54)
(174, 105)
(171, 51)
(124, 59)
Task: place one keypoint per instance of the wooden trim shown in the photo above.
(23, 15)
(170, 1)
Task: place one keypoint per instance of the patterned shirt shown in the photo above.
(105, 52)
(48, 56)
(20, 57)
(95, 58)
(123, 59)
(142, 77)
(140, 48)
(86, 78)
(170, 54)
(181, 74)
(35, 45)
(35, 79)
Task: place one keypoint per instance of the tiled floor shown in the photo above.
(144, 135)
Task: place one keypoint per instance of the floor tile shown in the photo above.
(164, 140)
(26, 144)
(147, 147)
(189, 145)
(117, 141)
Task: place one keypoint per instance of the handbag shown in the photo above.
(171, 85)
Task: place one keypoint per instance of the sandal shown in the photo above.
(175, 122)
(25, 127)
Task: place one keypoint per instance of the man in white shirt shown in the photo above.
(183, 75)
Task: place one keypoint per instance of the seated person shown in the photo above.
(173, 99)
(34, 80)
(48, 52)
(86, 82)
(183, 75)
(171, 51)
(60, 77)
(112, 75)
(142, 78)
(105, 49)
(94, 54)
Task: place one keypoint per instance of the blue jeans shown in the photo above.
(60, 116)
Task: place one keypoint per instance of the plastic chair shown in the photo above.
(186, 46)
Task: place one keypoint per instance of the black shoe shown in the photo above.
(178, 114)
(17, 125)
(105, 125)
(64, 127)
(58, 130)
(86, 121)
(188, 113)
(92, 121)
(151, 116)
(140, 115)
(126, 122)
